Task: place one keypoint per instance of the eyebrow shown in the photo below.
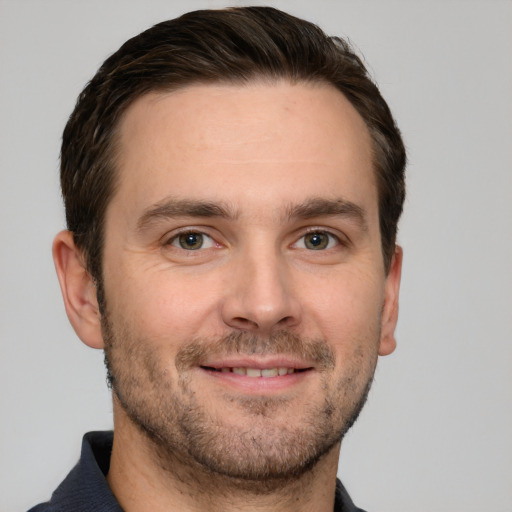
(311, 208)
(320, 207)
(171, 207)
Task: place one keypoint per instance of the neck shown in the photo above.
(142, 479)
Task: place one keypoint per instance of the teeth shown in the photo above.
(256, 372)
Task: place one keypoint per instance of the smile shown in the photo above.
(257, 372)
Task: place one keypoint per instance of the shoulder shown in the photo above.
(85, 489)
(343, 502)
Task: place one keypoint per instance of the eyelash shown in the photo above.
(312, 231)
(176, 237)
(317, 231)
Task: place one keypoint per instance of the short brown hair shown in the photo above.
(234, 45)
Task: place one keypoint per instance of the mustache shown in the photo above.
(245, 343)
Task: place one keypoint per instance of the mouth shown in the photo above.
(258, 376)
(256, 373)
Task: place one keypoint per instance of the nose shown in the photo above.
(261, 295)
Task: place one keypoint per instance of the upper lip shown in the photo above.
(261, 362)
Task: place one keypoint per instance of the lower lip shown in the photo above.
(258, 385)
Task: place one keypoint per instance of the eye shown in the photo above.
(317, 241)
(192, 241)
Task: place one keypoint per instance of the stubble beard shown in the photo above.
(263, 455)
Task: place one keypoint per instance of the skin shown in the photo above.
(285, 167)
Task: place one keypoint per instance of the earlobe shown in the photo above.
(390, 307)
(78, 290)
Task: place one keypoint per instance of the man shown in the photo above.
(233, 182)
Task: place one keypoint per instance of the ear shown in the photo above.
(390, 308)
(78, 290)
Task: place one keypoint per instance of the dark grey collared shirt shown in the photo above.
(85, 489)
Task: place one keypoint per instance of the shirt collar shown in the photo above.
(86, 488)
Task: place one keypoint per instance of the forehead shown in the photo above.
(237, 143)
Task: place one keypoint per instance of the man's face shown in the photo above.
(246, 299)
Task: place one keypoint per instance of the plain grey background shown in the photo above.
(436, 433)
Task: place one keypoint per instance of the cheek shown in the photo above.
(160, 305)
(350, 304)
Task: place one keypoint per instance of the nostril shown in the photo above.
(244, 323)
(285, 320)
(260, 312)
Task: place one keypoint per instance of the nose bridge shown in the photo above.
(261, 294)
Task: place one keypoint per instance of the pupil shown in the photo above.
(316, 241)
(191, 241)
